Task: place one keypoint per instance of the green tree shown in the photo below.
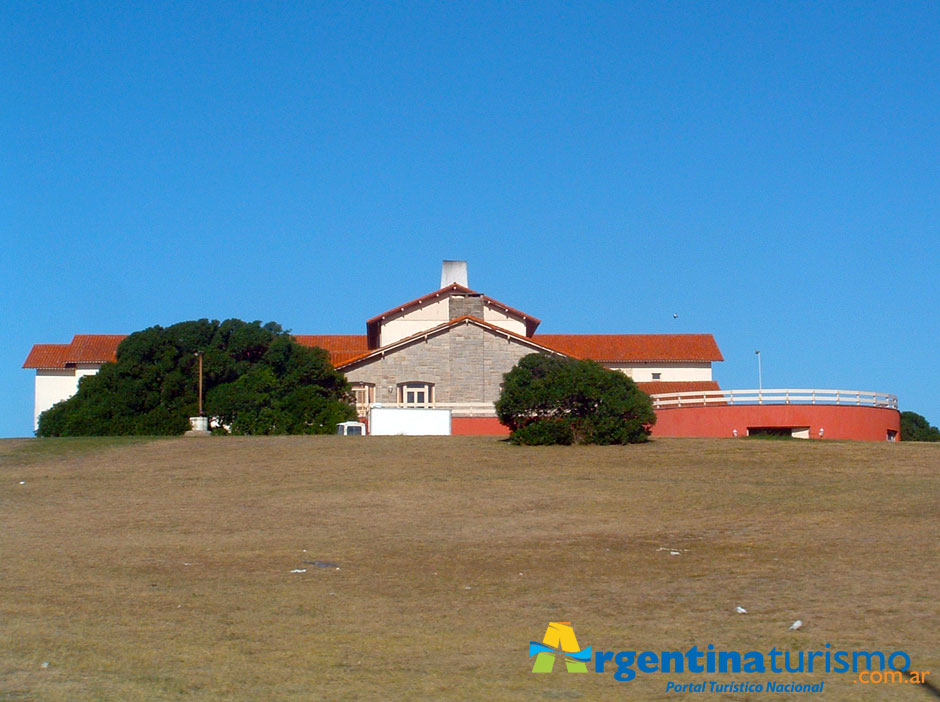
(915, 427)
(257, 380)
(555, 400)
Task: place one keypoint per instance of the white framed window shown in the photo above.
(364, 394)
(657, 376)
(416, 394)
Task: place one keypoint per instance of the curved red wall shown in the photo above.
(837, 421)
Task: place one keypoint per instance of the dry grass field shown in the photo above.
(161, 570)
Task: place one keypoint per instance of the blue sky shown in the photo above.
(771, 172)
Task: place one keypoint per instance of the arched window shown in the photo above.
(416, 394)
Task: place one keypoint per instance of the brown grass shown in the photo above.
(161, 570)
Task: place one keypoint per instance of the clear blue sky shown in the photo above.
(770, 171)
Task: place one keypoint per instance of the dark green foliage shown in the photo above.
(257, 380)
(549, 399)
(915, 427)
(544, 432)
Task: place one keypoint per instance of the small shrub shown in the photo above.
(551, 399)
(915, 427)
(544, 432)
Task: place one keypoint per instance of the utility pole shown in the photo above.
(199, 355)
(760, 378)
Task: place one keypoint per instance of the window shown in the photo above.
(657, 376)
(416, 394)
(364, 394)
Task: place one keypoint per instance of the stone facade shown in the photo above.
(464, 362)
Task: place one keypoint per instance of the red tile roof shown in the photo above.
(603, 348)
(95, 348)
(84, 348)
(658, 386)
(47, 356)
(643, 348)
(102, 348)
(341, 347)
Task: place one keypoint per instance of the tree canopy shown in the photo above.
(257, 380)
(555, 400)
(915, 427)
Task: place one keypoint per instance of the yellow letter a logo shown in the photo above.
(559, 635)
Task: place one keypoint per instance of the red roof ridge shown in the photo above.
(99, 336)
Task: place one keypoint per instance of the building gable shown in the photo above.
(464, 360)
(448, 303)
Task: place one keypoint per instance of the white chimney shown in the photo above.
(454, 272)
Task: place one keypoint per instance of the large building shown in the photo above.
(451, 347)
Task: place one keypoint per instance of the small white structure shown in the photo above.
(409, 421)
(199, 426)
(351, 429)
(454, 272)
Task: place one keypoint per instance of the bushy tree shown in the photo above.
(257, 380)
(555, 400)
(915, 427)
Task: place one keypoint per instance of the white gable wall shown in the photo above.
(52, 386)
(499, 318)
(414, 320)
(55, 385)
(668, 372)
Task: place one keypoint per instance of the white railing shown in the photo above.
(459, 409)
(774, 396)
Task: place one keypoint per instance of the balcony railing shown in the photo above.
(774, 396)
(669, 400)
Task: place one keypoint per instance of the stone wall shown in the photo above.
(464, 305)
(465, 363)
